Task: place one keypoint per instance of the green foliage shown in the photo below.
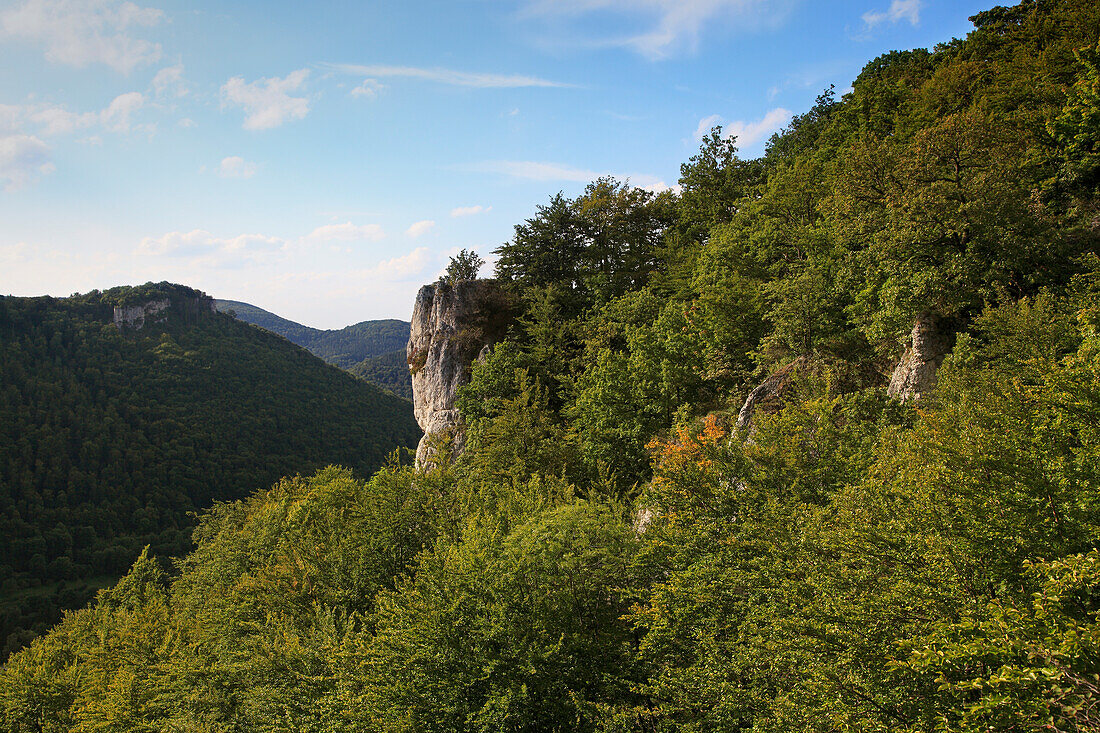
(389, 371)
(464, 266)
(611, 552)
(507, 630)
(344, 347)
(108, 439)
(1020, 664)
(598, 246)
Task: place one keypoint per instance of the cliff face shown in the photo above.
(451, 324)
(915, 374)
(135, 316)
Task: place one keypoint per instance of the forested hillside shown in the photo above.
(371, 350)
(621, 546)
(110, 436)
(388, 371)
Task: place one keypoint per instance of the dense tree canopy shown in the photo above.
(109, 438)
(620, 547)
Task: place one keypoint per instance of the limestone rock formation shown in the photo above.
(134, 316)
(451, 325)
(915, 374)
(157, 309)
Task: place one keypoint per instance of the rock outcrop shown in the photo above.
(451, 325)
(915, 374)
(134, 316)
(157, 309)
(768, 395)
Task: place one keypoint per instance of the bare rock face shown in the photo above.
(134, 316)
(185, 306)
(769, 393)
(915, 374)
(451, 325)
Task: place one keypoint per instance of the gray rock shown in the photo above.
(768, 392)
(134, 316)
(915, 374)
(451, 326)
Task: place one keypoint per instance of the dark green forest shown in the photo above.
(374, 351)
(615, 550)
(388, 371)
(110, 438)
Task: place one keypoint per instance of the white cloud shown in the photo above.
(83, 32)
(407, 266)
(236, 167)
(11, 116)
(23, 158)
(187, 122)
(470, 210)
(203, 248)
(267, 101)
(748, 134)
(666, 26)
(898, 11)
(420, 228)
(57, 120)
(168, 82)
(15, 253)
(661, 187)
(447, 76)
(346, 232)
(369, 88)
(116, 117)
(704, 126)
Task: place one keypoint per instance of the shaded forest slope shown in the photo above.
(110, 436)
(371, 350)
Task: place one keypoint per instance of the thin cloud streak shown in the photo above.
(675, 25)
(448, 76)
(530, 170)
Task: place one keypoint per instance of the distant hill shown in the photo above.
(343, 347)
(371, 350)
(122, 411)
(388, 371)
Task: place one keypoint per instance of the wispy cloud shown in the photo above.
(23, 159)
(168, 82)
(204, 248)
(530, 170)
(411, 265)
(748, 134)
(236, 167)
(704, 126)
(470, 210)
(898, 11)
(267, 102)
(53, 119)
(346, 232)
(446, 76)
(420, 228)
(84, 32)
(369, 89)
(656, 29)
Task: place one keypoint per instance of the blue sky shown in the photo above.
(323, 160)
